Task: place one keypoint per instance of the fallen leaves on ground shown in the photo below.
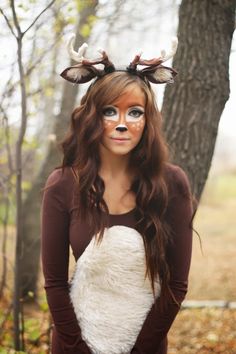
(203, 331)
(195, 331)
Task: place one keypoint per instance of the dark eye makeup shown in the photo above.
(109, 111)
(136, 113)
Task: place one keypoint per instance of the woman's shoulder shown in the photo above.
(60, 174)
(61, 178)
(59, 186)
(177, 179)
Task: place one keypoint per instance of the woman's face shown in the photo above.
(124, 121)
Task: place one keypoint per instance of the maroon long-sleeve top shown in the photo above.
(61, 228)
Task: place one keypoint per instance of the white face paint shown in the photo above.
(128, 111)
(132, 115)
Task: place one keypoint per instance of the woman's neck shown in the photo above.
(114, 166)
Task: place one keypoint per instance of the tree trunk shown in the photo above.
(192, 107)
(31, 217)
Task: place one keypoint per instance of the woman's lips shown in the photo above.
(120, 140)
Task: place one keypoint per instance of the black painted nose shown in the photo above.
(121, 128)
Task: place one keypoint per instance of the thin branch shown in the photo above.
(37, 17)
(8, 22)
(7, 89)
(8, 146)
(5, 318)
(15, 19)
(11, 86)
(5, 222)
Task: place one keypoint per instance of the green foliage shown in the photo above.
(30, 156)
(71, 20)
(86, 29)
(11, 215)
(6, 341)
(30, 143)
(3, 351)
(36, 328)
(44, 306)
(12, 351)
(32, 328)
(92, 20)
(43, 303)
(59, 23)
(23, 7)
(82, 4)
(49, 91)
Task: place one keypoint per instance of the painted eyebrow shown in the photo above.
(137, 106)
(132, 105)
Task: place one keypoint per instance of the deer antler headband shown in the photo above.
(85, 70)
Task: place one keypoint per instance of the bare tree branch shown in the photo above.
(15, 19)
(6, 315)
(37, 17)
(8, 146)
(10, 86)
(17, 305)
(4, 221)
(8, 90)
(8, 22)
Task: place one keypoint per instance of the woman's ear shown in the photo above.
(79, 74)
(159, 74)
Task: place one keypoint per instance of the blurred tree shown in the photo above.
(37, 53)
(31, 208)
(193, 106)
(17, 32)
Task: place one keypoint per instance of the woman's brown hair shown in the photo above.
(80, 148)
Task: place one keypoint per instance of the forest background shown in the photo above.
(200, 125)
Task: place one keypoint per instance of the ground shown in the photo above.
(203, 331)
(212, 275)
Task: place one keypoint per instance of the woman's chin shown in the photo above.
(120, 152)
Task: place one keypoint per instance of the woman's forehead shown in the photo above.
(132, 95)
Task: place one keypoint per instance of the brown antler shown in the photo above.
(155, 61)
(79, 56)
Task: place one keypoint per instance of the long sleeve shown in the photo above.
(55, 262)
(158, 323)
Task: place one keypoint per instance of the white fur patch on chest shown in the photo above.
(109, 292)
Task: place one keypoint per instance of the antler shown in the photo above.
(86, 70)
(172, 52)
(79, 56)
(155, 61)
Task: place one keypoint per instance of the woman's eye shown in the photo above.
(136, 113)
(109, 112)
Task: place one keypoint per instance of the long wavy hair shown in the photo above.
(80, 148)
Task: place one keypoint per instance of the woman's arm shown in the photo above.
(157, 323)
(55, 262)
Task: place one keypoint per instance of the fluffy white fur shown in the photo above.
(109, 292)
(77, 73)
(163, 75)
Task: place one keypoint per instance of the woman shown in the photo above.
(126, 212)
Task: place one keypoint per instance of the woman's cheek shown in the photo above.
(109, 125)
(137, 127)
